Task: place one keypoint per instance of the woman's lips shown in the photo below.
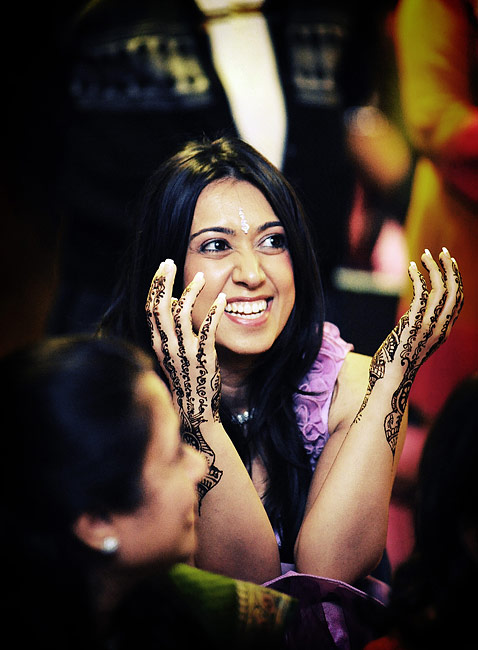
(248, 311)
(249, 308)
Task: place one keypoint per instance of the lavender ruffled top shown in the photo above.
(312, 411)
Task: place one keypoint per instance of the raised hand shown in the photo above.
(419, 332)
(188, 360)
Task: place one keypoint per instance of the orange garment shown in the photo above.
(437, 57)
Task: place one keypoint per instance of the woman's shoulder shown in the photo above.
(349, 390)
(323, 372)
(312, 400)
(333, 345)
(355, 367)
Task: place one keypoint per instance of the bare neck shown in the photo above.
(235, 382)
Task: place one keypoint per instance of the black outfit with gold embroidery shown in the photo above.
(143, 81)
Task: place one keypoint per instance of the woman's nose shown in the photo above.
(248, 270)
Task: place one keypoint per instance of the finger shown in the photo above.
(449, 279)
(208, 329)
(454, 285)
(450, 304)
(437, 317)
(150, 300)
(454, 300)
(153, 287)
(183, 309)
(160, 318)
(453, 281)
(420, 293)
(460, 293)
(161, 299)
(186, 302)
(216, 312)
(165, 280)
(438, 289)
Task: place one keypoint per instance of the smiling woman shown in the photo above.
(252, 268)
(234, 317)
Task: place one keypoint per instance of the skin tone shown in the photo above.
(344, 529)
(161, 531)
(240, 245)
(163, 527)
(228, 499)
(359, 463)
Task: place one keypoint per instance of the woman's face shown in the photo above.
(240, 245)
(162, 531)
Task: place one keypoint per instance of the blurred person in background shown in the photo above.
(437, 55)
(148, 75)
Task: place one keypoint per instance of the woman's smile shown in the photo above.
(240, 245)
(248, 309)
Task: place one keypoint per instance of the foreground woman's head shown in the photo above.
(94, 467)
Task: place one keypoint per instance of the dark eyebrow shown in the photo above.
(228, 231)
(225, 231)
(269, 224)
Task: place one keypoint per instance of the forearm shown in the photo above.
(344, 533)
(235, 537)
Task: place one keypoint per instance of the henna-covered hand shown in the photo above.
(188, 360)
(419, 332)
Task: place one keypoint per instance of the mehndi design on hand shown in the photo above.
(188, 360)
(418, 333)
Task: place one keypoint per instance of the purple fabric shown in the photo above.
(312, 411)
(331, 613)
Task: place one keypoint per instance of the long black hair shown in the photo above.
(433, 602)
(75, 443)
(164, 216)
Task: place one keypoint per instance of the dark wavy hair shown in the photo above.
(432, 602)
(163, 221)
(75, 444)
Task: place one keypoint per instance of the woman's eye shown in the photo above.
(275, 241)
(214, 246)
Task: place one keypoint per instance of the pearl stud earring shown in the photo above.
(110, 545)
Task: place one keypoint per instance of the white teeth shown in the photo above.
(247, 308)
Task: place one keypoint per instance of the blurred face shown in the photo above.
(240, 245)
(162, 531)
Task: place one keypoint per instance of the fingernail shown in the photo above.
(222, 296)
(446, 251)
(199, 276)
(427, 252)
(168, 264)
(413, 265)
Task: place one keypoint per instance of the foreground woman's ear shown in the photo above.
(96, 532)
